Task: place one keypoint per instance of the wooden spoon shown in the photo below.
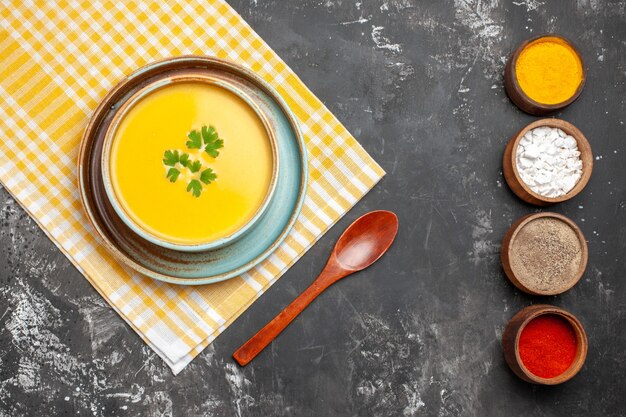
(362, 244)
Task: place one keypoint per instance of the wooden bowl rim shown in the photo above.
(534, 311)
(518, 225)
(586, 156)
(523, 96)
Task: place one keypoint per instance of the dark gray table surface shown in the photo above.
(420, 85)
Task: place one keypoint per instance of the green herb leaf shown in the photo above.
(208, 176)
(195, 141)
(184, 160)
(170, 158)
(173, 174)
(209, 134)
(194, 166)
(212, 141)
(207, 139)
(195, 187)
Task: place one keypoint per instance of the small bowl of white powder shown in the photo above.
(547, 162)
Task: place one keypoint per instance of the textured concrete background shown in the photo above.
(420, 85)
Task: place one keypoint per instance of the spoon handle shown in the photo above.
(264, 337)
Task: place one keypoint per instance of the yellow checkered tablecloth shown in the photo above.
(58, 60)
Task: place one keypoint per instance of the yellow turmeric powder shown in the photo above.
(549, 71)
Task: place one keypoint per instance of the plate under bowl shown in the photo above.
(195, 268)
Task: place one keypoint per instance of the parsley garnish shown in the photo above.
(171, 158)
(212, 141)
(195, 187)
(194, 166)
(176, 160)
(172, 174)
(184, 159)
(207, 176)
(194, 142)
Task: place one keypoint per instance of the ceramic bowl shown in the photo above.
(106, 156)
(509, 238)
(213, 265)
(510, 343)
(519, 97)
(519, 187)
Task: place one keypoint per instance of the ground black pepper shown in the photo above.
(546, 254)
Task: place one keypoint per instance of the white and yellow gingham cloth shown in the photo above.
(59, 59)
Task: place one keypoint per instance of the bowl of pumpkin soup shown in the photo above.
(190, 163)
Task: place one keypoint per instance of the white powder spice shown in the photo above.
(548, 161)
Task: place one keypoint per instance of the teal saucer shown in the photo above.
(210, 266)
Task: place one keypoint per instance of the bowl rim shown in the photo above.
(581, 339)
(528, 103)
(509, 238)
(118, 117)
(586, 156)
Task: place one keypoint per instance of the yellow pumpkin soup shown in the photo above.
(191, 163)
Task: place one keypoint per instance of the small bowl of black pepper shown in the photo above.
(544, 254)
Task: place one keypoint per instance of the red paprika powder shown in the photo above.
(547, 346)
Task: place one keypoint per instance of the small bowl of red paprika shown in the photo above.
(544, 344)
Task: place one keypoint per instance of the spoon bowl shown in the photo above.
(360, 245)
(366, 240)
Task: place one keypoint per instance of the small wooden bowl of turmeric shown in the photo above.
(545, 73)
